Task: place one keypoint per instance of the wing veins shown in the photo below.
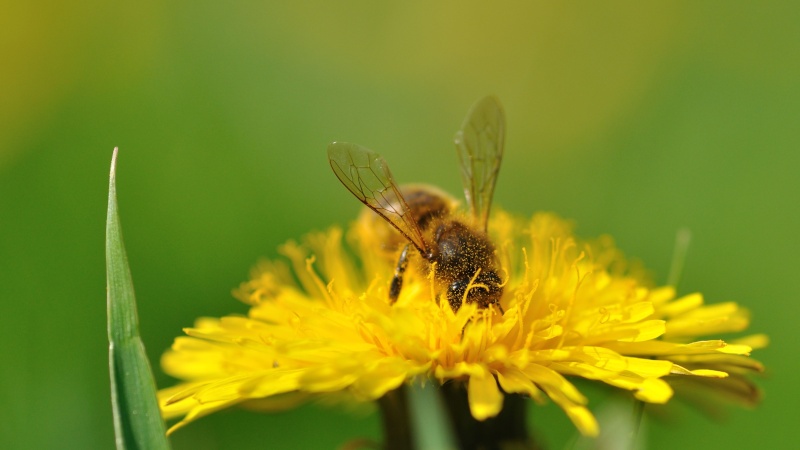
(479, 144)
(371, 182)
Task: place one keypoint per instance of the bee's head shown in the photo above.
(486, 289)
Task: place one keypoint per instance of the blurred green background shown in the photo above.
(631, 119)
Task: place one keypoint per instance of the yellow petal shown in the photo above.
(736, 349)
(171, 409)
(681, 305)
(712, 319)
(679, 370)
(738, 363)
(663, 348)
(328, 378)
(514, 381)
(485, 399)
(609, 360)
(458, 370)
(661, 295)
(271, 383)
(202, 410)
(638, 312)
(382, 378)
(653, 390)
(583, 419)
(648, 389)
(648, 368)
(754, 341)
(578, 414)
(631, 332)
(552, 382)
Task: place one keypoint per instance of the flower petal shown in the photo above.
(513, 381)
(485, 399)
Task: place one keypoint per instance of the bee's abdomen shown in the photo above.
(425, 204)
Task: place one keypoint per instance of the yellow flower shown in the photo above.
(322, 326)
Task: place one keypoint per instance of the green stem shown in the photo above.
(396, 425)
(507, 430)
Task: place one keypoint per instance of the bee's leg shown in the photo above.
(397, 279)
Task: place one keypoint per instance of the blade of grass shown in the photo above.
(137, 420)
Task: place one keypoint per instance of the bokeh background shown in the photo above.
(632, 119)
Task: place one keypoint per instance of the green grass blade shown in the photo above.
(137, 420)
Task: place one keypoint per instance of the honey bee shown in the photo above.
(458, 250)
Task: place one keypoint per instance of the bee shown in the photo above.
(457, 250)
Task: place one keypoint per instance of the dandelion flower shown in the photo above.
(320, 326)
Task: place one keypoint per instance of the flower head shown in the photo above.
(323, 327)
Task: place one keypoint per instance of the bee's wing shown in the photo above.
(479, 144)
(366, 174)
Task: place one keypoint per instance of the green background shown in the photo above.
(633, 120)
